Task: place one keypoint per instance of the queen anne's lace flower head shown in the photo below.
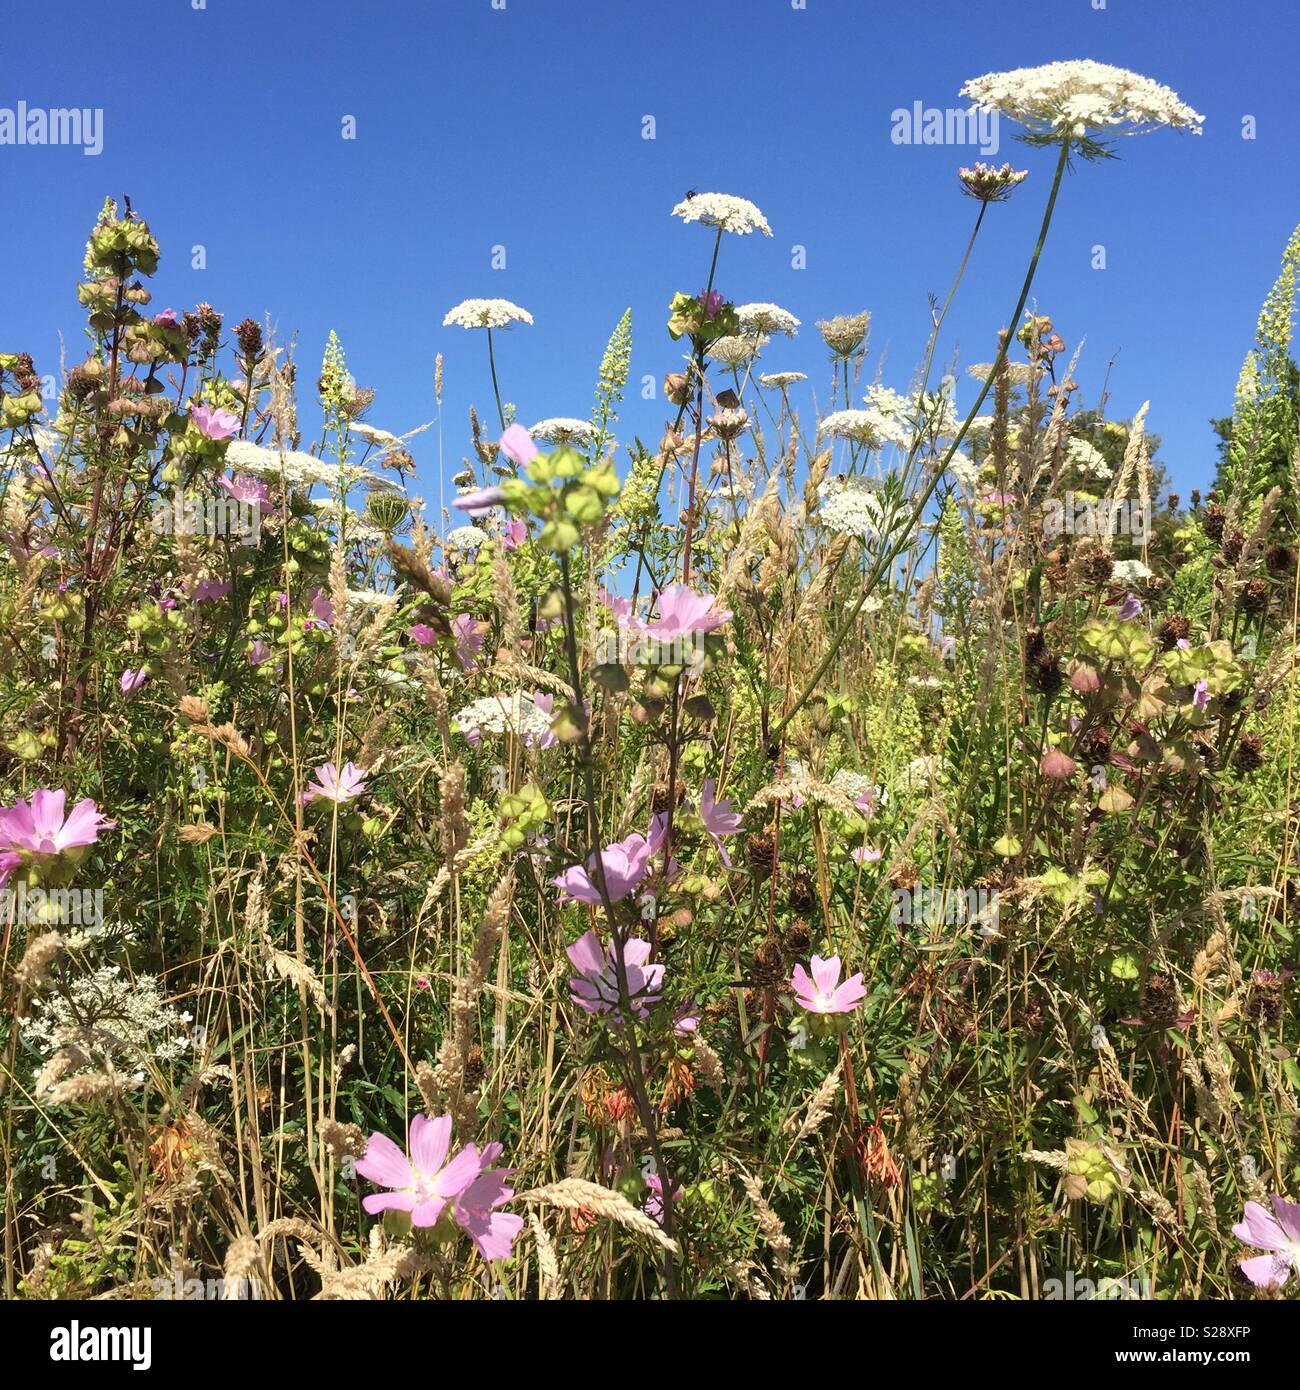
(508, 712)
(988, 184)
(723, 210)
(485, 313)
(465, 538)
(370, 434)
(298, 469)
(1130, 572)
(780, 380)
(733, 351)
(850, 506)
(563, 429)
(1082, 99)
(1087, 458)
(845, 333)
(860, 426)
(767, 319)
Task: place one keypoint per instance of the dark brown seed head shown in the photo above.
(1253, 597)
(760, 849)
(1249, 756)
(797, 939)
(767, 970)
(1173, 630)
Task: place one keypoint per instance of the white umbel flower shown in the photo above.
(850, 506)
(733, 351)
(1130, 572)
(860, 426)
(767, 319)
(507, 712)
(298, 469)
(368, 434)
(485, 313)
(465, 538)
(1082, 98)
(780, 380)
(964, 470)
(563, 429)
(1087, 458)
(722, 210)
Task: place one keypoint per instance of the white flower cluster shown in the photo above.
(767, 319)
(850, 506)
(964, 470)
(780, 380)
(564, 430)
(507, 712)
(854, 784)
(377, 438)
(485, 313)
(466, 538)
(369, 598)
(1087, 458)
(860, 426)
(111, 1022)
(1130, 572)
(1082, 98)
(301, 470)
(722, 210)
(733, 351)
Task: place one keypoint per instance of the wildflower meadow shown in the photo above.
(839, 843)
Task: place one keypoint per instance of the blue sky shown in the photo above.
(521, 127)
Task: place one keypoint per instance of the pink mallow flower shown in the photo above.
(38, 826)
(492, 1231)
(336, 786)
(1130, 608)
(1279, 1234)
(422, 634)
(653, 1206)
(252, 492)
(130, 681)
(718, 818)
(683, 612)
(322, 609)
(595, 989)
(468, 634)
(515, 534)
(822, 993)
(424, 1182)
(258, 653)
(711, 301)
(866, 854)
(517, 445)
(625, 863)
(8, 863)
(480, 501)
(210, 591)
(213, 422)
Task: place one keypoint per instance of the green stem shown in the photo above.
(496, 390)
(887, 557)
